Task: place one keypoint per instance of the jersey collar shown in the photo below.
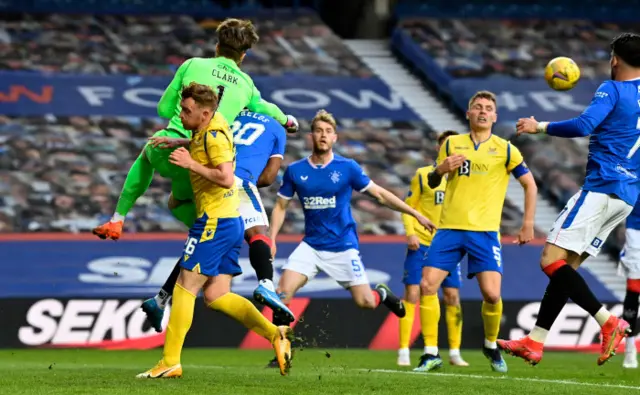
(228, 62)
(315, 166)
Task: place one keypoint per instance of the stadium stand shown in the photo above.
(148, 45)
(517, 48)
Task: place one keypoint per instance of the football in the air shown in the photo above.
(562, 73)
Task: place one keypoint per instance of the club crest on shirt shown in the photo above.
(335, 177)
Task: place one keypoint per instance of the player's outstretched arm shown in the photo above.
(259, 105)
(386, 198)
(603, 102)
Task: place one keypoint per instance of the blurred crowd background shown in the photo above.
(65, 173)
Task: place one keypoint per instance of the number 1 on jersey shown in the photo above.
(220, 90)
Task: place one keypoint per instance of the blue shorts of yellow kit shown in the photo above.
(449, 246)
(413, 269)
(213, 246)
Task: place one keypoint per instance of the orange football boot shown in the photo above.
(110, 230)
(525, 348)
(162, 371)
(613, 331)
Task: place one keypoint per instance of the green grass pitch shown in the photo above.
(315, 371)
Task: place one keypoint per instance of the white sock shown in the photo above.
(268, 284)
(630, 345)
(162, 298)
(117, 218)
(431, 350)
(538, 334)
(602, 316)
(491, 345)
(454, 353)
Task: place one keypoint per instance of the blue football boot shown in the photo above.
(154, 313)
(267, 297)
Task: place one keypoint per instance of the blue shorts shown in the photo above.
(449, 246)
(413, 269)
(213, 246)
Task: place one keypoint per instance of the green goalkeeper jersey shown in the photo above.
(234, 87)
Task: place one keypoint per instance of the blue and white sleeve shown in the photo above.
(279, 145)
(288, 188)
(603, 102)
(360, 181)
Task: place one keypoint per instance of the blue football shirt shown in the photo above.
(257, 138)
(613, 121)
(325, 195)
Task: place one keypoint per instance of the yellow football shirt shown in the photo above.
(426, 201)
(212, 147)
(476, 191)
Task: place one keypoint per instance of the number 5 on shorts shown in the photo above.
(497, 255)
(356, 267)
(190, 245)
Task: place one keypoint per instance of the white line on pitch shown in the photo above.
(529, 379)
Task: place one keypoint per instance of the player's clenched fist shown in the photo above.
(525, 235)
(181, 157)
(450, 164)
(527, 125)
(291, 125)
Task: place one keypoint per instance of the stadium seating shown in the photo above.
(517, 48)
(148, 45)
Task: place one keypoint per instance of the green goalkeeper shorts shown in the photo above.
(159, 159)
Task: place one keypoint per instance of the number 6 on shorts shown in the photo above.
(190, 245)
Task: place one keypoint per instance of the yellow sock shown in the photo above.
(453, 316)
(491, 317)
(429, 319)
(179, 324)
(245, 312)
(406, 325)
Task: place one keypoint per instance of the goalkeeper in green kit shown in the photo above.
(235, 90)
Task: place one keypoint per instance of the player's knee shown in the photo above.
(491, 296)
(428, 287)
(211, 296)
(451, 296)
(412, 294)
(365, 301)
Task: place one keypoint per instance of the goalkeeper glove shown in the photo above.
(292, 125)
